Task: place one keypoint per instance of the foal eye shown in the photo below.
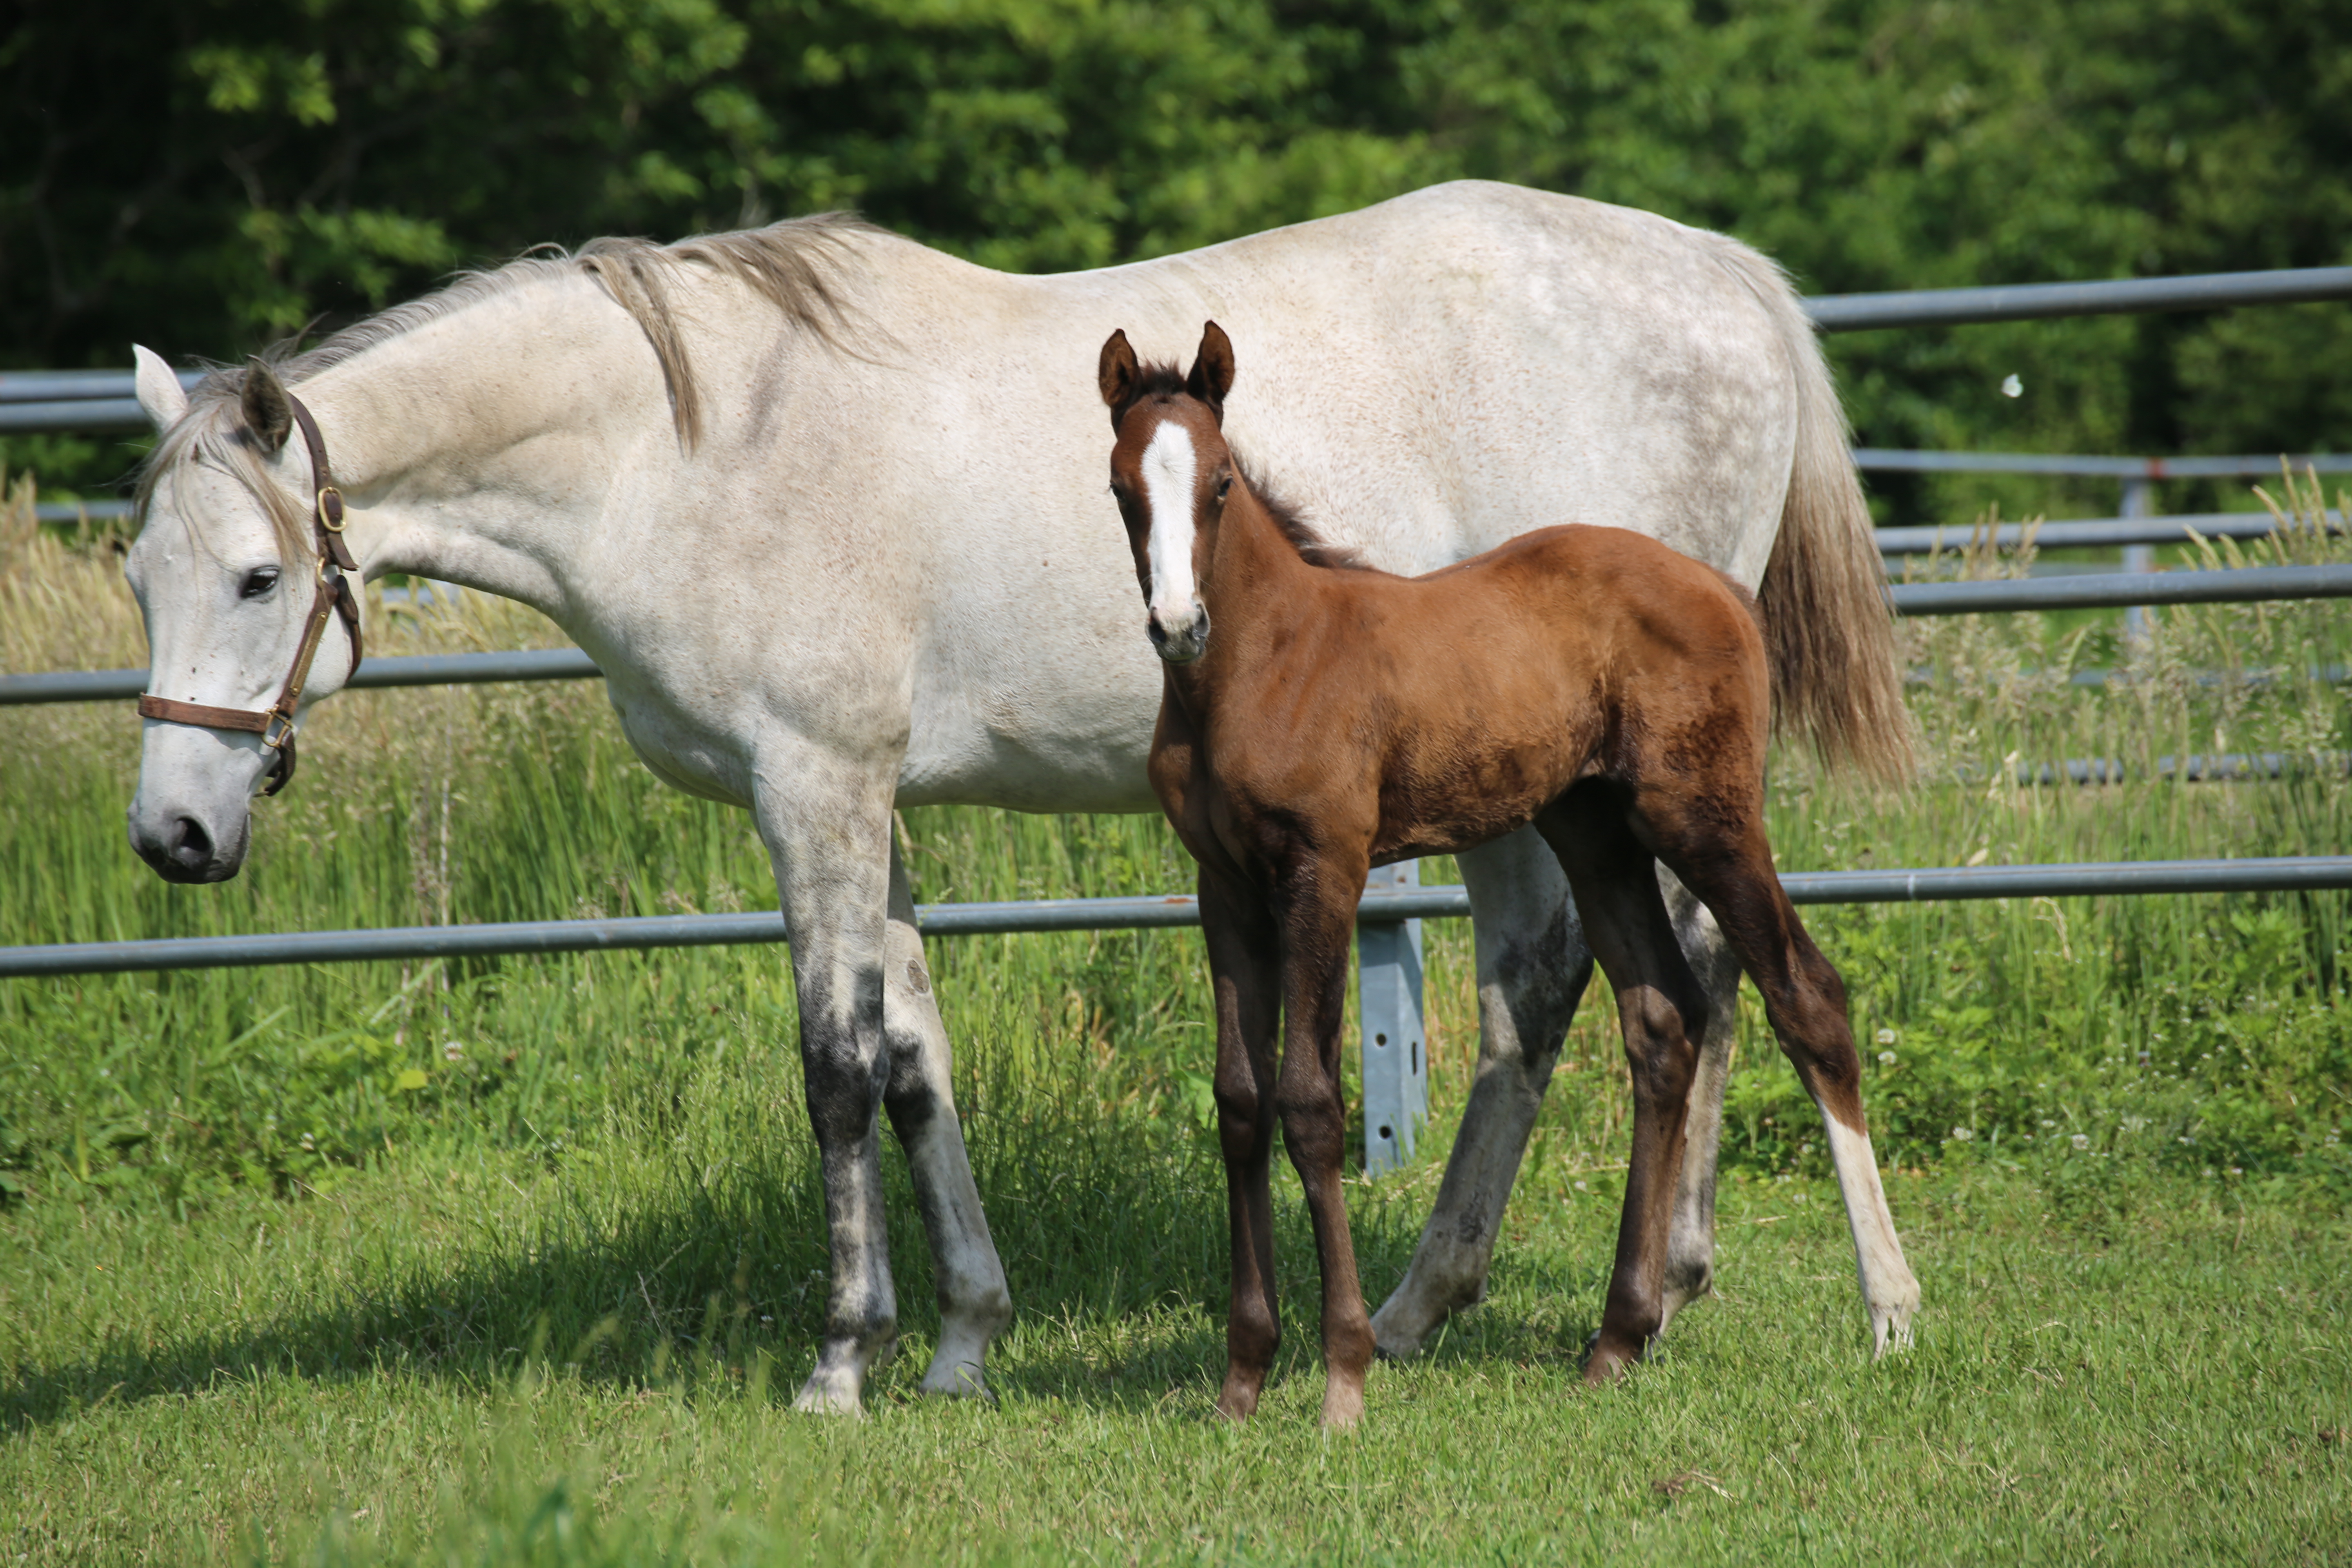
(258, 582)
(1224, 485)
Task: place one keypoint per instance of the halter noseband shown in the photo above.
(334, 596)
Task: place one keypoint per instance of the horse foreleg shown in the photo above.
(1316, 928)
(1246, 974)
(974, 1305)
(1533, 966)
(827, 832)
(1690, 1244)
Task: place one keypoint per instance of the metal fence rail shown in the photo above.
(2090, 532)
(1387, 906)
(2246, 584)
(2238, 586)
(2039, 301)
(105, 400)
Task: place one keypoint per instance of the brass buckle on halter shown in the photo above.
(272, 736)
(331, 524)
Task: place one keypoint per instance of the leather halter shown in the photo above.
(335, 595)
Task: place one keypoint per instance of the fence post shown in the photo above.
(1396, 1065)
(2139, 500)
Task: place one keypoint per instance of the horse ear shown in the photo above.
(1212, 370)
(161, 396)
(268, 412)
(1115, 374)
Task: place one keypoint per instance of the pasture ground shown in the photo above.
(519, 1261)
(454, 1360)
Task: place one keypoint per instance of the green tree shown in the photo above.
(208, 177)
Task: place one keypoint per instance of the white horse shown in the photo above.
(829, 508)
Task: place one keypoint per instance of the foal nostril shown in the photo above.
(192, 847)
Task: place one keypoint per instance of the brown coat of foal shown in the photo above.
(1589, 680)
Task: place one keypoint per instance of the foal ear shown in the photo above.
(269, 414)
(1212, 370)
(161, 396)
(1116, 373)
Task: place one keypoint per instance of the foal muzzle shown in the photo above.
(1182, 642)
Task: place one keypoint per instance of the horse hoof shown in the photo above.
(822, 1396)
(958, 1380)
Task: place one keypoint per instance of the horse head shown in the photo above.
(1170, 472)
(230, 581)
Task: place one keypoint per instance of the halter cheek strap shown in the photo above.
(334, 596)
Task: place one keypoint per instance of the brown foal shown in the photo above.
(1589, 680)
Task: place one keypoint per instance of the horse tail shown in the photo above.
(1828, 629)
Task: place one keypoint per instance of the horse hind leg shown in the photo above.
(1805, 1001)
(974, 1304)
(1533, 967)
(1690, 1245)
(1662, 1010)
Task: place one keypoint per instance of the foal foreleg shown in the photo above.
(827, 831)
(1318, 921)
(1245, 975)
(974, 1305)
(1532, 970)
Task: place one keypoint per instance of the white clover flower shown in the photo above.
(2012, 386)
(1887, 1059)
(1885, 1037)
(1963, 1135)
(2082, 1139)
(452, 1052)
(1580, 1186)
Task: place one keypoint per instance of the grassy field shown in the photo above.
(516, 1261)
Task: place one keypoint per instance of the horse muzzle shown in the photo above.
(183, 847)
(1179, 641)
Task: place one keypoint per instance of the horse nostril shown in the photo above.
(192, 847)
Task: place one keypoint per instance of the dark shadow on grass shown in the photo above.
(708, 1269)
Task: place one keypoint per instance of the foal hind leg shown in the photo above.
(1662, 1010)
(974, 1305)
(1804, 1000)
(1690, 1245)
(1533, 967)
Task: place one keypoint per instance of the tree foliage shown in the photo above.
(206, 175)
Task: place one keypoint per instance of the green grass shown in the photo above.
(519, 1261)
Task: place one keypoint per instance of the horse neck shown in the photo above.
(477, 449)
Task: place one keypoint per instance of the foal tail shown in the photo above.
(1827, 627)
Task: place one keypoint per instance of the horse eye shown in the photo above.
(258, 582)
(1224, 485)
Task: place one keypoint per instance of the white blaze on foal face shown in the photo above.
(1170, 475)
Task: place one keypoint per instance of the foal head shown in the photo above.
(1171, 472)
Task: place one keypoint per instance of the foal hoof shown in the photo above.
(1609, 1362)
(1343, 1408)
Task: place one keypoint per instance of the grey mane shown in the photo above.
(795, 265)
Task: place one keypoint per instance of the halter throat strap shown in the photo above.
(335, 597)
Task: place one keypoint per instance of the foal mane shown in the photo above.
(795, 265)
(1167, 381)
